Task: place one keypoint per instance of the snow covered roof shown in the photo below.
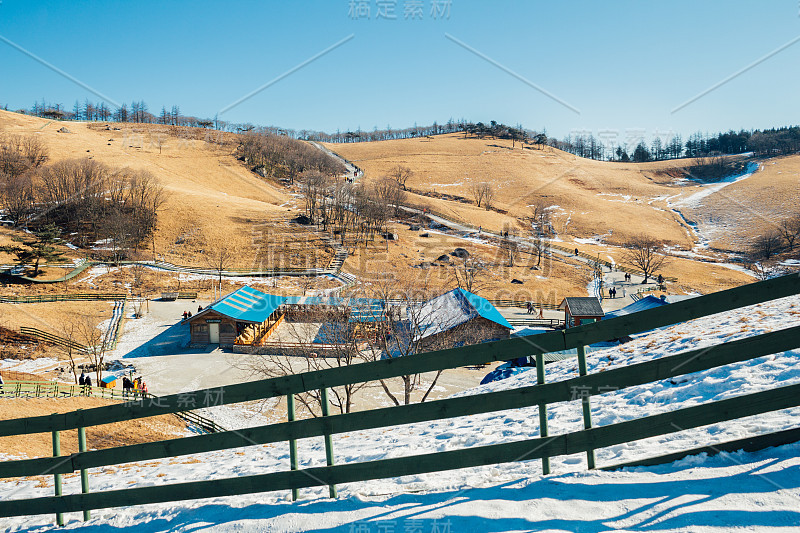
(246, 305)
(648, 302)
(582, 306)
(452, 309)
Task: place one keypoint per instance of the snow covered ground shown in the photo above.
(695, 200)
(752, 491)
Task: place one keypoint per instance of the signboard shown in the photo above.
(213, 320)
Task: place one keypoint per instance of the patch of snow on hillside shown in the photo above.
(695, 199)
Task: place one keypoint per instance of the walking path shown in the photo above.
(353, 172)
(611, 277)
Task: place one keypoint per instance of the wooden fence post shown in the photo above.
(292, 442)
(87, 514)
(57, 477)
(585, 402)
(542, 410)
(328, 437)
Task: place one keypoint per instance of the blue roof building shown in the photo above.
(462, 310)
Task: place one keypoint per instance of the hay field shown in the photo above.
(53, 316)
(735, 215)
(593, 197)
(213, 200)
(98, 437)
(412, 261)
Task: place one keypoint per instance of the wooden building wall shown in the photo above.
(200, 329)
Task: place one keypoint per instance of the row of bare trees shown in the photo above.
(80, 196)
(282, 157)
(354, 211)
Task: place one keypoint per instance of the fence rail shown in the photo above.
(52, 339)
(548, 322)
(524, 304)
(61, 298)
(56, 389)
(542, 447)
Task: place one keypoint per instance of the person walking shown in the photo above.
(1, 384)
(87, 383)
(185, 315)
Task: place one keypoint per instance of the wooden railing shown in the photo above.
(542, 447)
(52, 339)
(533, 321)
(56, 389)
(524, 304)
(61, 298)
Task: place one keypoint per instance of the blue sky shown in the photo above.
(624, 65)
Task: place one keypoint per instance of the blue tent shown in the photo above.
(649, 302)
(503, 372)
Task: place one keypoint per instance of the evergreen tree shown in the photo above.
(34, 250)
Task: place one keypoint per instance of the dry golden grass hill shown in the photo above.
(212, 198)
(99, 437)
(614, 200)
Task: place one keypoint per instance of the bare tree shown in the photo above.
(468, 272)
(488, 197)
(401, 175)
(478, 191)
(313, 184)
(17, 196)
(540, 217)
(70, 331)
(220, 259)
(158, 141)
(645, 253)
(541, 246)
(96, 342)
(790, 230)
(766, 246)
(483, 193)
(508, 245)
(410, 324)
(335, 344)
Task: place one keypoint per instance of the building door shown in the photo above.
(213, 333)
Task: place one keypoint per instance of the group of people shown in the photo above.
(188, 314)
(135, 387)
(85, 379)
(612, 292)
(531, 308)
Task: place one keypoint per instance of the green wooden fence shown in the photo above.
(55, 389)
(78, 297)
(542, 447)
